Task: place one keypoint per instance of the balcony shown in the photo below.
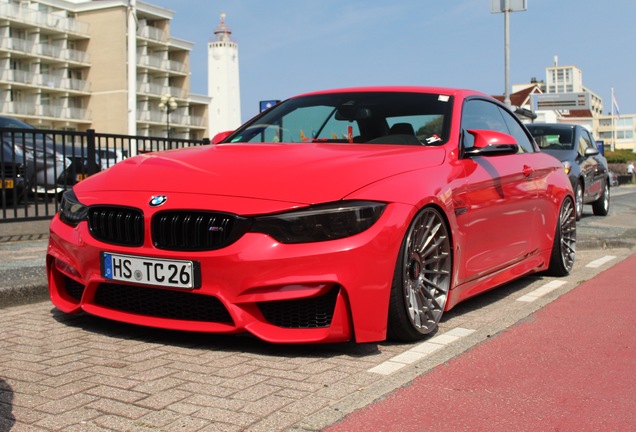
(150, 88)
(17, 76)
(176, 66)
(50, 81)
(55, 111)
(157, 62)
(76, 56)
(17, 44)
(196, 121)
(54, 82)
(178, 118)
(151, 116)
(44, 50)
(37, 18)
(150, 61)
(76, 84)
(152, 33)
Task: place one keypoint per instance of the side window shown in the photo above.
(481, 114)
(591, 140)
(585, 142)
(517, 131)
(582, 144)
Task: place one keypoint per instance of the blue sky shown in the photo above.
(288, 47)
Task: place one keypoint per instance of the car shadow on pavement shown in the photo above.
(246, 343)
(489, 298)
(7, 419)
(240, 342)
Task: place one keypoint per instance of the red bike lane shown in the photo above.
(570, 366)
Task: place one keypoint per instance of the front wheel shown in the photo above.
(421, 279)
(578, 196)
(602, 204)
(564, 246)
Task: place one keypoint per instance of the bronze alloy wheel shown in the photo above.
(564, 248)
(422, 278)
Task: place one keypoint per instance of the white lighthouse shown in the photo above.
(223, 81)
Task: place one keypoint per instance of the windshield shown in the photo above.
(353, 117)
(553, 138)
(8, 122)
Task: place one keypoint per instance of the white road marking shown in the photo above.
(599, 262)
(420, 351)
(541, 291)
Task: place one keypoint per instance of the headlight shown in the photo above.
(72, 212)
(320, 223)
(567, 167)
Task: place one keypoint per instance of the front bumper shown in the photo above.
(315, 292)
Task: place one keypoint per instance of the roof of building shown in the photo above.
(520, 98)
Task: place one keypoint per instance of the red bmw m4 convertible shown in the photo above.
(352, 214)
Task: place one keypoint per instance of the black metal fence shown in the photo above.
(37, 165)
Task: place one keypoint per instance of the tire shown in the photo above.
(602, 204)
(564, 246)
(421, 279)
(578, 196)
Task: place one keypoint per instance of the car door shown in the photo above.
(500, 198)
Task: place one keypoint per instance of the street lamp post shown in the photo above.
(507, 6)
(168, 104)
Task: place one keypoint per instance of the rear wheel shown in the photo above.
(564, 246)
(602, 204)
(421, 279)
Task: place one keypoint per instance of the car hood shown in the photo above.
(294, 173)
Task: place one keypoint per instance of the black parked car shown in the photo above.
(587, 168)
(13, 184)
(52, 164)
(45, 169)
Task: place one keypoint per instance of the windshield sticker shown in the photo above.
(433, 139)
(443, 98)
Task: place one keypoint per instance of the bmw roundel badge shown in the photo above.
(158, 200)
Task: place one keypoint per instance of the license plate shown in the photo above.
(7, 184)
(151, 271)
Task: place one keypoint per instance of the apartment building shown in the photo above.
(617, 132)
(63, 65)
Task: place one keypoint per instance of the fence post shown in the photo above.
(91, 156)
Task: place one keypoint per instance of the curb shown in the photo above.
(38, 291)
(23, 295)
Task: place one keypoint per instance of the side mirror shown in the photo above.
(591, 152)
(221, 136)
(491, 143)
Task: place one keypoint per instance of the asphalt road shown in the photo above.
(79, 373)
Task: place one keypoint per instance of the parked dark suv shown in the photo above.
(587, 168)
